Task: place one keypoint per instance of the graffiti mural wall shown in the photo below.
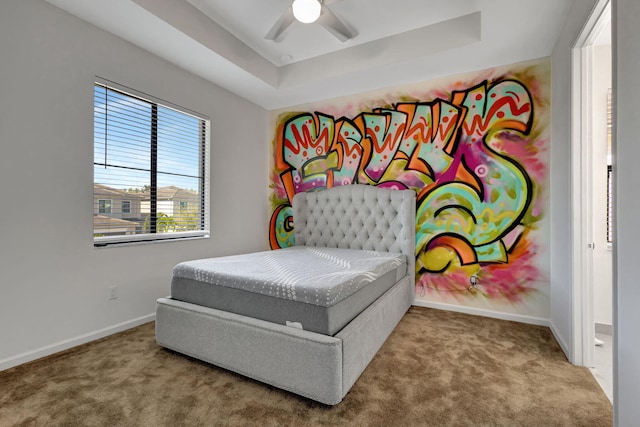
(474, 148)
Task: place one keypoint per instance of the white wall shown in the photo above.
(561, 219)
(626, 60)
(602, 253)
(53, 283)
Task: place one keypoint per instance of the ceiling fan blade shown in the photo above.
(285, 20)
(335, 25)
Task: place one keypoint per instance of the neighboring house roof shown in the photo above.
(172, 192)
(100, 190)
(101, 221)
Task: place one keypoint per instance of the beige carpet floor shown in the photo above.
(437, 369)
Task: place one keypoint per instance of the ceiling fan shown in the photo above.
(308, 11)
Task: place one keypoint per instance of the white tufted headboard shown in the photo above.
(358, 217)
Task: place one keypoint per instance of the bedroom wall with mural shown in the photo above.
(473, 147)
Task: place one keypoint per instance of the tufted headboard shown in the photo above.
(358, 217)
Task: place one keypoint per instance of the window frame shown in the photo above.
(122, 204)
(102, 211)
(204, 160)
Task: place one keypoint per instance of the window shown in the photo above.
(609, 204)
(104, 206)
(609, 173)
(148, 154)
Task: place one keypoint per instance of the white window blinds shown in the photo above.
(150, 163)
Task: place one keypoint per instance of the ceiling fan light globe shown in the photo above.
(306, 11)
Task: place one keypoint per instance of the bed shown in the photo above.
(306, 319)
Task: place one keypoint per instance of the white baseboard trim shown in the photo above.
(30, 356)
(562, 343)
(485, 313)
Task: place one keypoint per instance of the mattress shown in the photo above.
(312, 288)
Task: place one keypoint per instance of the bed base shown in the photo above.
(319, 367)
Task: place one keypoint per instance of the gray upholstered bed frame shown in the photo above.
(320, 367)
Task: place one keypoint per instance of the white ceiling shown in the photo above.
(371, 18)
(398, 41)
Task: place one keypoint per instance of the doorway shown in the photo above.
(591, 159)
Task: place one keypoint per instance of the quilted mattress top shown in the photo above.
(313, 275)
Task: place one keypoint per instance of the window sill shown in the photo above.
(103, 244)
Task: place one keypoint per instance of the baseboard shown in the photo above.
(30, 356)
(562, 343)
(482, 312)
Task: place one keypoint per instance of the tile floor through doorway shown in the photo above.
(603, 369)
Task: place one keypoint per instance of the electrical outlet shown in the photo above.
(113, 292)
(474, 281)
